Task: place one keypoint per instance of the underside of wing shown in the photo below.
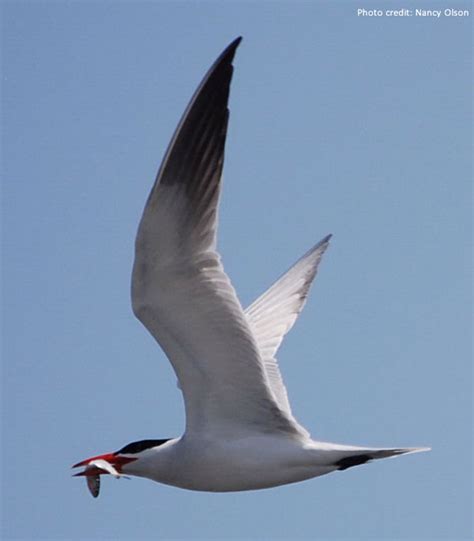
(180, 291)
(273, 314)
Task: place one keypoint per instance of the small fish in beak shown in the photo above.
(93, 484)
(97, 466)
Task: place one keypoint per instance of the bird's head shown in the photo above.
(112, 463)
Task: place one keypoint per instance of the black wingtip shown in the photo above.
(229, 51)
(351, 461)
(323, 242)
(236, 42)
(327, 238)
(208, 113)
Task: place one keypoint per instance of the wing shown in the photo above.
(273, 314)
(180, 291)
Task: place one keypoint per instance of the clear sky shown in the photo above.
(356, 126)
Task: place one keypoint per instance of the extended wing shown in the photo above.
(180, 291)
(273, 314)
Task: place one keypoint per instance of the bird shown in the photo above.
(240, 432)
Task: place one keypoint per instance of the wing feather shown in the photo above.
(274, 313)
(180, 291)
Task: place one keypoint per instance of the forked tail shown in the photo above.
(355, 456)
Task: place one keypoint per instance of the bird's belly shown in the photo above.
(239, 478)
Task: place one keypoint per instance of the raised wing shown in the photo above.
(273, 314)
(180, 291)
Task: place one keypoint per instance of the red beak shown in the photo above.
(117, 462)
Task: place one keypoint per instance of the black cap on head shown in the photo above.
(139, 446)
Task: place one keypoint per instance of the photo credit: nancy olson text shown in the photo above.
(417, 12)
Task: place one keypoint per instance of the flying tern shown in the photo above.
(240, 431)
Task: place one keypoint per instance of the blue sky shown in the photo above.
(356, 126)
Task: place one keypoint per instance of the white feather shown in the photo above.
(273, 314)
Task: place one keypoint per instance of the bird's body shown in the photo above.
(240, 431)
(245, 463)
(223, 465)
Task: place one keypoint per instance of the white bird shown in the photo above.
(240, 431)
